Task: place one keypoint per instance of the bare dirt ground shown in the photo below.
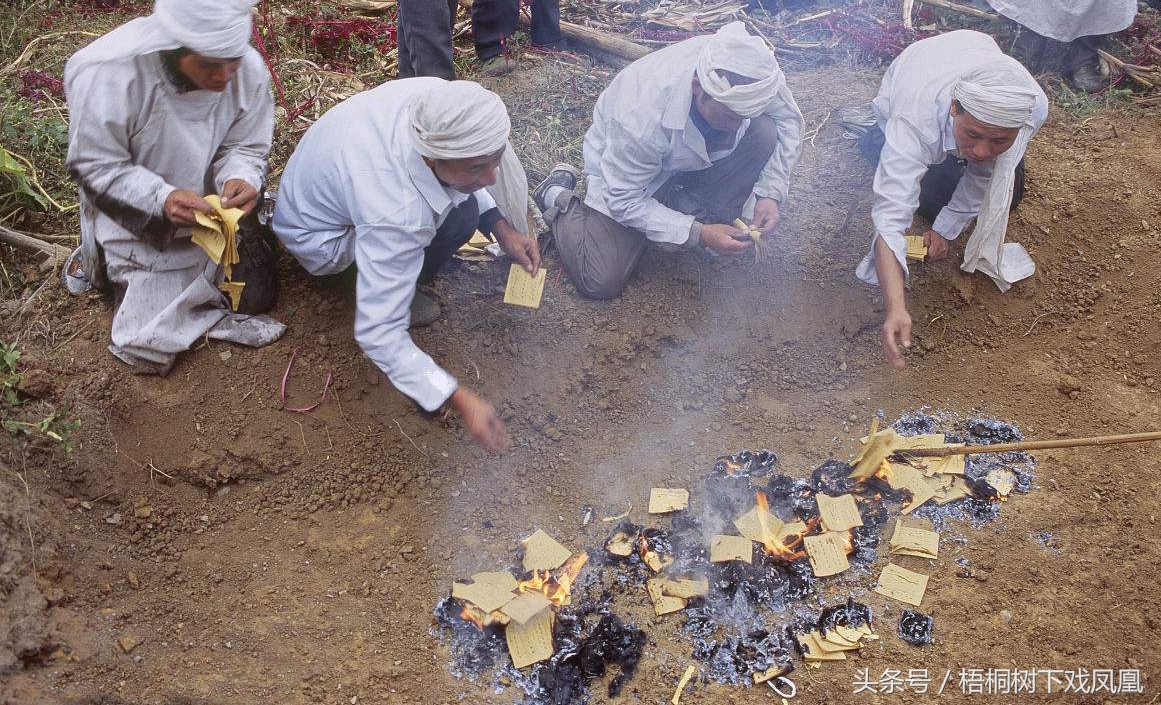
(260, 556)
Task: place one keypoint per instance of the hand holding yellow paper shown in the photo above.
(755, 235)
(216, 233)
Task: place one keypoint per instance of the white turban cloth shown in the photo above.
(735, 50)
(218, 29)
(1004, 94)
(1000, 93)
(459, 120)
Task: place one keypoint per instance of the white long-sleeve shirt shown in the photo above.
(357, 190)
(1065, 20)
(913, 109)
(134, 138)
(642, 135)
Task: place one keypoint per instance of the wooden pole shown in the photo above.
(1033, 445)
(603, 42)
(27, 242)
(970, 11)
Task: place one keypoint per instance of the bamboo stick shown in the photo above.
(944, 451)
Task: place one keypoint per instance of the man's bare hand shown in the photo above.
(523, 250)
(766, 215)
(481, 420)
(180, 207)
(896, 335)
(239, 194)
(725, 239)
(936, 245)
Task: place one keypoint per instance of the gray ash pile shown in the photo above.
(743, 561)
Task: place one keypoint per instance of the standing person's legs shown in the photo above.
(546, 24)
(424, 38)
(492, 21)
(456, 229)
(718, 193)
(598, 253)
(1082, 65)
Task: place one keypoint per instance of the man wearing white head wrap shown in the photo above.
(163, 111)
(393, 180)
(945, 101)
(683, 141)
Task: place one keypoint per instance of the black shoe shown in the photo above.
(1087, 78)
(563, 175)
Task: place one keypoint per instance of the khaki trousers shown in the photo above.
(599, 254)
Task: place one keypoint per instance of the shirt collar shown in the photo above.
(947, 134)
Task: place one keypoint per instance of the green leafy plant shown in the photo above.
(10, 377)
(15, 188)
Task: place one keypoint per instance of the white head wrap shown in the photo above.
(1004, 94)
(219, 29)
(735, 50)
(1000, 93)
(459, 120)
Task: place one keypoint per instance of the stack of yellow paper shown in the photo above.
(916, 250)
(833, 645)
(217, 234)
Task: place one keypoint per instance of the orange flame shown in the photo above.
(557, 588)
(475, 615)
(884, 472)
(653, 559)
(786, 548)
(470, 615)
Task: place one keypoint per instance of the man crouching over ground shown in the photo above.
(683, 142)
(954, 117)
(163, 111)
(393, 181)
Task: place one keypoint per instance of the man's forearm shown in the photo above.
(133, 200)
(890, 276)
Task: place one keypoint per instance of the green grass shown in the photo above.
(1080, 105)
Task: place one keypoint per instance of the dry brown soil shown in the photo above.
(269, 557)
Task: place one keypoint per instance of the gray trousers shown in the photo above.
(424, 37)
(599, 254)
